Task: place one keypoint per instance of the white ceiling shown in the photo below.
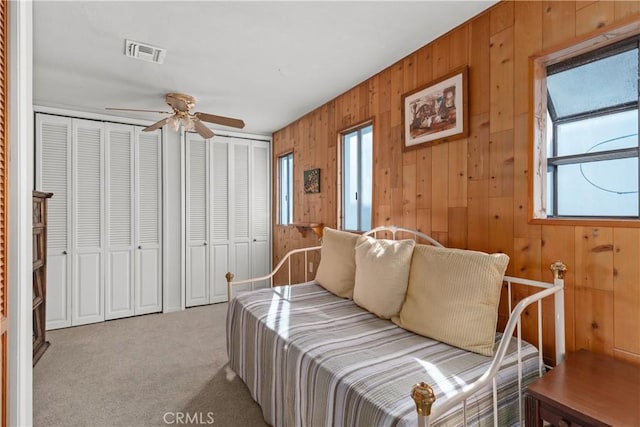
(265, 62)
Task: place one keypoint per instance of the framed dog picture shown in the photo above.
(437, 112)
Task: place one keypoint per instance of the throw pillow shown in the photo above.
(382, 275)
(337, 268)
(453, 297)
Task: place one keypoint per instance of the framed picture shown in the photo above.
(312, 181)
(437, 112)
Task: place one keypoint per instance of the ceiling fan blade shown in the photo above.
(202, 130)
(156, 125)
(133, 109)
(220, 120)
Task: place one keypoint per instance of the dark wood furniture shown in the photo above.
(40, 344)
(587, 389)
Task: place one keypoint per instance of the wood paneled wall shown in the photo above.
(473, 193)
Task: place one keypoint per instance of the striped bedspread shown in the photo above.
(310, 358)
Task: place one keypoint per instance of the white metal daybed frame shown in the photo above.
(422, 393)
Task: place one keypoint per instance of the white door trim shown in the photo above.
(21, 136)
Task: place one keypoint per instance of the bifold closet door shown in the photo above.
(133, 275)
(197, 221)
(53, 171)
(148, 259)
(227, 213)
(119, 213)
(219, 230)
(260, 210)
(88, 208)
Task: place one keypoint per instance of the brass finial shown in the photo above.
(558, 269)
(229, 276)
(424, 397)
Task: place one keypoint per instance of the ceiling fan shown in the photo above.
(191, 122)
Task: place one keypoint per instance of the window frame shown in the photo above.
(341, 174)
(290, 187)
(605, 40)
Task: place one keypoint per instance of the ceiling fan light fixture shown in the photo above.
(174, 123)
(187, 124)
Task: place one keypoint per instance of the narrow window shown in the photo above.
(357, 180)
(285, 171)
(592, 134)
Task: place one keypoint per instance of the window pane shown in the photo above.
(550, 192)
(600, 133)
(290, 190)
(604, 83)
(366, 177)
(285, 167)
(606, 188)
(350, 180)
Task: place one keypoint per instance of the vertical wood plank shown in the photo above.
(424, 66)
(594, 257)
(423, 174)
(528, 40)
(594, 16)
(457, 178)
(594, 320)
(459, 47)
(558, 22)
(501, 164)
(501, 226)
(439, 192)
(623, 9)
(479, 64)
(441, 56)
(502, 16)
(501, 78)
(478, 215)
(409, 185)
(457, 221)
(626, 289)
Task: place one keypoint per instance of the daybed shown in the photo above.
(315, 357)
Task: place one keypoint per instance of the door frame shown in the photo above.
(21, 150)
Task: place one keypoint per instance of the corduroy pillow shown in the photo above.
(337, 269)
(382, 275)
(453, 297)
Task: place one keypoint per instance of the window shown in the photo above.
(285, 171)
(592, 134)
(357, 177)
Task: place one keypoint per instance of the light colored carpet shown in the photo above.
(142, 371)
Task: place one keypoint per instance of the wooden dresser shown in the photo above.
(40, 344)
(587, 389)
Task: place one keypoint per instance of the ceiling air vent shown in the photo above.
(144, 51)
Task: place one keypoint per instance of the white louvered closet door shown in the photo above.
(219, 263)
(53, 174)
(197, 220)
(119, 260)
(88, 210)
(148, 260)
(260, 210)
(240, 231)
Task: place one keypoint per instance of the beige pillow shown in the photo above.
(453, 297)
(382, 275)
(337, 269)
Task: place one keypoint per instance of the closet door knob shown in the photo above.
(64, 252)
(205, 243)
(139, 246)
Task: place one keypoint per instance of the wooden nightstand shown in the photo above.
(587, 389)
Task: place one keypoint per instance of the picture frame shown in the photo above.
(312, 181)
(436, 112)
